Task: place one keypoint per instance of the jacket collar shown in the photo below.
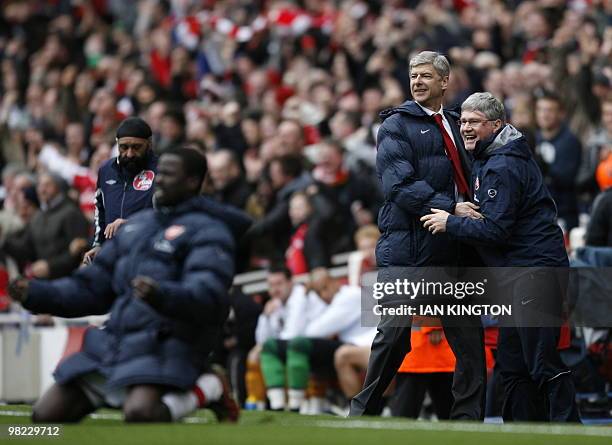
(411, 108)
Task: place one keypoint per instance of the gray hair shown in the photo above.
(439, 62)
(487, 104)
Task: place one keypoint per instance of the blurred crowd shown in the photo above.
(283, 98)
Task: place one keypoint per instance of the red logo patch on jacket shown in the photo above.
(144, 180)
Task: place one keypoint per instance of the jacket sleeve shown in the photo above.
(599, 225)
(20, 246)
(88, 291)
(295, 321)
(264, 329)
(274, 221)
(74, 226)
(341, 313)
(395, 165)
(207, 274)
(99, 216)
(499, 207)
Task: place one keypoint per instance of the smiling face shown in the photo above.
(476, 127)
(427, 86)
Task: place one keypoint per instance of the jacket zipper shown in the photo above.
(123, 198)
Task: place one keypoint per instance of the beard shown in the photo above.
(132, 165)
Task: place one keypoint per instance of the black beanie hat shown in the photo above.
(134, 127)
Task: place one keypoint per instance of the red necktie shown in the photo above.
(453, 154)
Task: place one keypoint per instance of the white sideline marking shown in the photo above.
(553, 430)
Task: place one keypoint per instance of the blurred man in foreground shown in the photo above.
(164, 279)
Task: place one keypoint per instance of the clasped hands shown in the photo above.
(435, 222)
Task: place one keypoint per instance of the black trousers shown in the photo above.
(537, 384)
(410, 389)
(392, 343)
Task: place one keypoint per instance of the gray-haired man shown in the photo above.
(421, 164)
(519, 230)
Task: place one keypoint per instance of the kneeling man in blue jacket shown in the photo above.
(516, 228)
(164, 278)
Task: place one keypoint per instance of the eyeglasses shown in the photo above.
(473, 122)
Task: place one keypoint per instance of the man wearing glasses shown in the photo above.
(518, 230)
(421, 164)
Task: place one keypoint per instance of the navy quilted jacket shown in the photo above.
(189, 250)
(416, 176)
(120, 194)
(520, 218)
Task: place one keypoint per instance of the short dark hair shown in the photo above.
(542, 94)
(280, 268)
(176, 115)
(194, 162)
(291, 165)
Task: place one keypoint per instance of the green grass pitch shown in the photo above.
(106, 427)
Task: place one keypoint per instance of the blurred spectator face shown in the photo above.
(513, 78)
(426, 85)
(83, 87)
(372, 100)
(197, 129)
(155, 114)
(291, 137)
(257, 83)
(34, 137)
(75, 137)
(323, 97)
(350, 102)
(330, 160)
(494, 83)
(47, 189)
(366, 239)
(170, 128)
(268, 126)
(250, 130)
(102, 153)
(549, 114)
(145, 94)
(223, 169)
(279, 286)
(230, 114)
(277, 176)
(536, 26)
(341, 125)
(299, 209)
(132, 153)
(522, 112)
(476, 127)
(325, 287)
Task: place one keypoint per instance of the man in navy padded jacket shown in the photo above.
(517, 229)
(125, 183)
(164, 279)
(421, 164)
